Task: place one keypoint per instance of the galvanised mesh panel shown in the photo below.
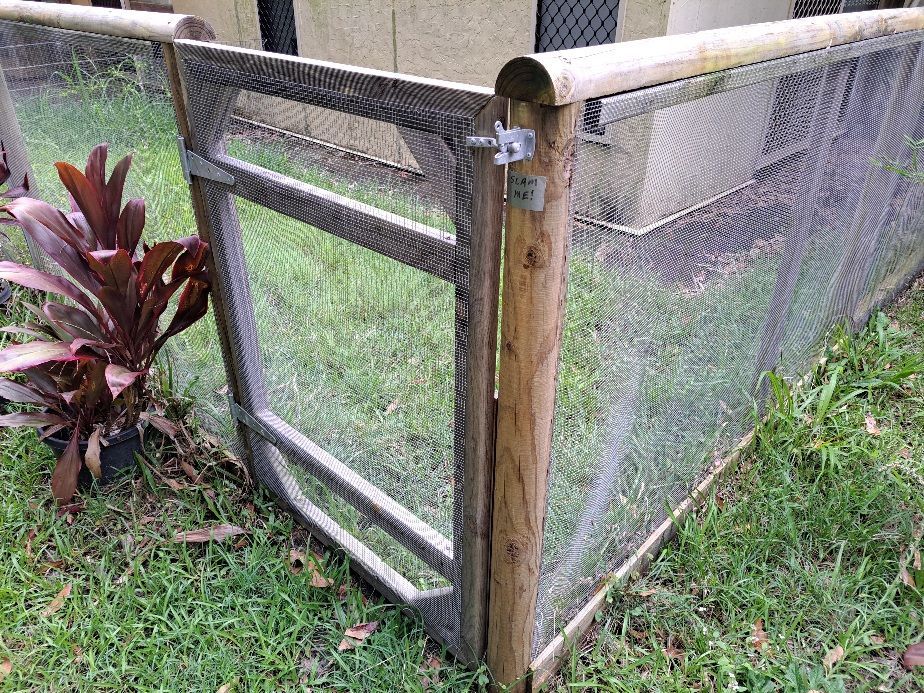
(348, 280)
(563, 24)
(789, 117)
(694, 268)
(72, 91)
(815, 8)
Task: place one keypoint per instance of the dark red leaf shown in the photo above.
(118, 378)
(87, 197)
(155, 264)
(75, 322)
(194, 303)
(42, 281)
(64, 478)
(19, 357)
(130, 226)
(113, 194)
(16, 392)
(26, 418)
(192, 261)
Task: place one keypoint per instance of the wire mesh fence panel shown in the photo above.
(696, 266)
(347, 281)
(71, 91)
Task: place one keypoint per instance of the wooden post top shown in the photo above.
(569, 76)
(162, 27)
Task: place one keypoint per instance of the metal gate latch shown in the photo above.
(514, 144)
(195, 165)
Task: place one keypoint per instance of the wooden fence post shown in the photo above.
(535, 274)
(204, 226)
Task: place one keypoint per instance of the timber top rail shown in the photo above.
(162, 27)
(570, 76)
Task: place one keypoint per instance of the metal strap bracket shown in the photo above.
(514, 144)
(195, 165)
(241, 415)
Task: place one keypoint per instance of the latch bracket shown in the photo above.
(512, 145)
(194, 165)
(241, 415)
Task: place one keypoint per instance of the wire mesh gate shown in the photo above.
(361, 294)
(350, 306)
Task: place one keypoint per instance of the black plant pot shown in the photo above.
(116, 455)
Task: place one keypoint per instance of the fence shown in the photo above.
(698, 210)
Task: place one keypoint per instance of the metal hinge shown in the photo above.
(514, 144)
(241, 415)
(195, 165)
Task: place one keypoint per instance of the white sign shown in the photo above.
(526, 192)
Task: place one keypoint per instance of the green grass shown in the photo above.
(145, 613)
(809, 537)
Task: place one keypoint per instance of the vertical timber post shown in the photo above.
(535, 274)
(478, 475)
(203, 224)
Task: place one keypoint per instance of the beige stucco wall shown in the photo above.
(235, 21)
(443, 39)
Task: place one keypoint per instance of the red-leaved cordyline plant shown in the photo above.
(88, 360)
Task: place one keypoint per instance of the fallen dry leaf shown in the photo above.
(905, 452)
(58, 601)
(356, 634)
(907, 578)
(759, 637)
(318, 580)
(914, 655)
(48, 566)
(871, 426)
(430, 672)
(342, 592)
(175, 485)
(189, 471)
(297, 564)
(391, 407)
(877, 639)
(91, 456)
(672, 652)
(29, 537)
(6, 668)
(216, 533)
(296, 561)
(833, 657)
(78, 653)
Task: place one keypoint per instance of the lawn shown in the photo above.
(805, 548)
(812, 546)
